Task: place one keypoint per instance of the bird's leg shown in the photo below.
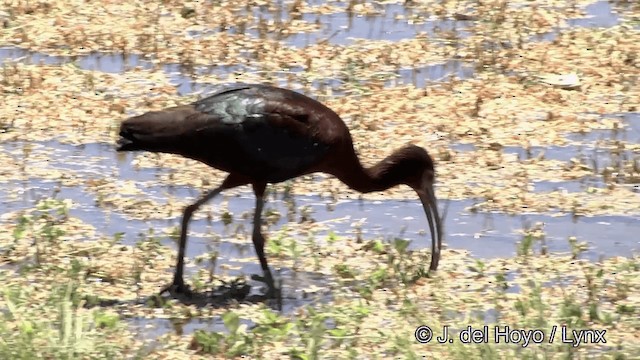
(258, 240)
(178, 279)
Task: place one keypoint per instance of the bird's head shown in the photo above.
(413, 166)
(409, 165)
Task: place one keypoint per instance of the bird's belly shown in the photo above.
(270, 155)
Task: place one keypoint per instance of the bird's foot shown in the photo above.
(177, 287)
(272, 292)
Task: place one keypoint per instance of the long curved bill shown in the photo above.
(430, 206)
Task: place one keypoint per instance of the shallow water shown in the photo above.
(485, 235)
(186, 83)
(391, 22)
(600, 14)
(340, 28)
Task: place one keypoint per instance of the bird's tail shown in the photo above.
(155, 131)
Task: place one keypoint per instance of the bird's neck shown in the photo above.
(378, 177)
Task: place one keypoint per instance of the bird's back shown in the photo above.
(263, 132)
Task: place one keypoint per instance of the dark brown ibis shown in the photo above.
(261, 134)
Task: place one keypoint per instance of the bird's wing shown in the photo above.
(275, 131)
(257, 103)
(232, 106)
